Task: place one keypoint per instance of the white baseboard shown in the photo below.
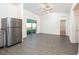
(72, 41)
(51, 33)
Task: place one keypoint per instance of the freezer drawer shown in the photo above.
(14, 36)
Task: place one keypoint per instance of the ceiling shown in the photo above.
(15, 3)
(57, 7)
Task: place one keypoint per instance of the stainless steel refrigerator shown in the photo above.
(1, 38)
(13, 30)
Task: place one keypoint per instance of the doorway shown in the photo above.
(63, 27)
(31, 26)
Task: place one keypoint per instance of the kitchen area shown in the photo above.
(10, 25)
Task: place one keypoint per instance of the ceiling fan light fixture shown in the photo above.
(46, 8)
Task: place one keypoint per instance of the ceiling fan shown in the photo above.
(46, 8)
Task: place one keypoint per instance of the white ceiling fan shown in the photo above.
(46, 8)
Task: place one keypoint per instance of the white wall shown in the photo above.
(28, 14)
(72, 32)
(72, 27)
(9, 10)
(50, 23)
(16, 11)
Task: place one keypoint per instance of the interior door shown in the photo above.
(62, 27)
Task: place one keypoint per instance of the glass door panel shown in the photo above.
(31, 26)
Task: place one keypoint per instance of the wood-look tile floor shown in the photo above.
(42, 44)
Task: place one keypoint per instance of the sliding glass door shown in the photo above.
(31, 26)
